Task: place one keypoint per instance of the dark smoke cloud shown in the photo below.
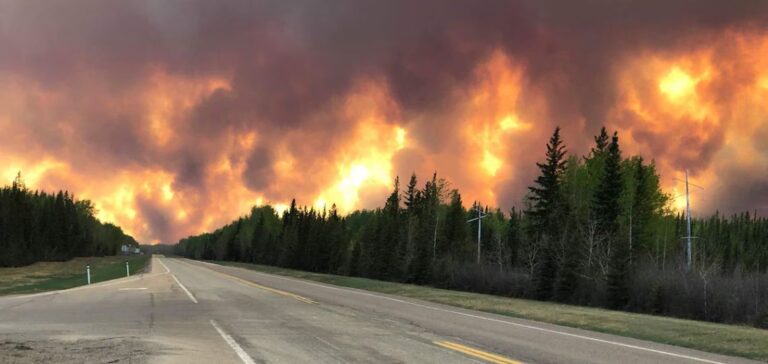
(290, 63)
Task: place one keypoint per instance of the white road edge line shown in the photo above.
(164, 266)
(191, 297)
(682, 356)
(233, 344)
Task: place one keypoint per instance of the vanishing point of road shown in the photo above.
(184, 311)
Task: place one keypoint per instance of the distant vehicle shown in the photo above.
(128, 249)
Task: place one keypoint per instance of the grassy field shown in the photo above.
(734, 340)
(48, 276)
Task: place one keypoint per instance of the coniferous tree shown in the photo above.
(545, 195)
(546, 201)
(289, 236)
(35, 225)
(601, 142)
(606, 211)
(606, 201)
(426, 214)
(514, 236)
(385, 253)
(456, 230)
(428, 241)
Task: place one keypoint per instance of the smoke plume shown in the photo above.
(177, 116)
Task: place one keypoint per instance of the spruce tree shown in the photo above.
(545, 194)
(514, 236)
(425, 210)
(456, 229)
(606, 211)
(606, 208)
(385, 262)
(545, 200)
(601, 142)
(411, 193)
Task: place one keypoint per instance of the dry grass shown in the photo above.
(46, 276)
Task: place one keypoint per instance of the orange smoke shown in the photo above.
(698, 109)
(701, 107)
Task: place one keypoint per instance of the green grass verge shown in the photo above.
(743, 341)
(49, 276)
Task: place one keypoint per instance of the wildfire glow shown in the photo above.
(364, 160)
(693, 114)
(167, 192)
(492, 121)
(366, 166)
(32, 172)
(511, 122)
(677, 84)
(699, 106)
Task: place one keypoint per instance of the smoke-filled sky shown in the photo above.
(175, 117)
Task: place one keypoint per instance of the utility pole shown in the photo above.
(688, 218)
(434, 239)
(689, 238)
(630, 233)
(480, 216)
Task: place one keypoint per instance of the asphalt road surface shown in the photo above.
(185, 311)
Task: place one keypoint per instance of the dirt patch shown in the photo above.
(17, 350)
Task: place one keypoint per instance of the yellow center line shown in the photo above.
(489, 357)
(270, 289)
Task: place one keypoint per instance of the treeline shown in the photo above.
(37, 226)
(594, 230)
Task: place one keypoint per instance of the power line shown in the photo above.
(686, 181)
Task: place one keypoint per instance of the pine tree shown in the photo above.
(411, 201)
(601, 142)
(514, 236)
(546, 201)
(425, 210)
(456, 229)
(606, 211)
(606, 200)
(545, 194)
(385, 254)
(289, 236)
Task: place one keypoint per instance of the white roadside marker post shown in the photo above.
(127, 270)
(88, 272)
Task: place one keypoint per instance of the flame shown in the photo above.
(492, 123)
(366, 159)
(167, 192)
(280, 208)
(32, 173)
(699, 107)
(677, 84)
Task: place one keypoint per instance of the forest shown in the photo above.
(594, 230)
(38, 226)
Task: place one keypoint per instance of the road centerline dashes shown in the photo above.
(505, 322)
(256, 285)
(476, 353)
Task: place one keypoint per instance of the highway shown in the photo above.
(184, 311)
